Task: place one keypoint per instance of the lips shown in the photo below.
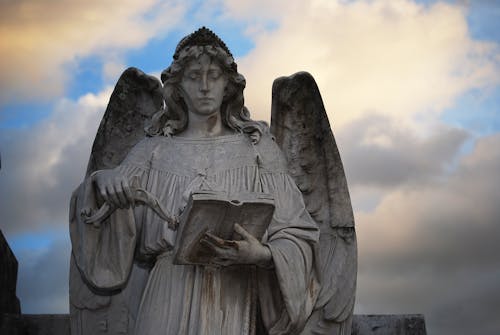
(206, 99)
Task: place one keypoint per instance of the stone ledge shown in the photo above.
(58, 324)
(391, 324)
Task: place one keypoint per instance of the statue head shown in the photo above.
(203, 43)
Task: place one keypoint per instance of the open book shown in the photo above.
(216, 212)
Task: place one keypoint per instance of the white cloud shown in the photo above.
(41, 40)
(44, 163)
(395, 58)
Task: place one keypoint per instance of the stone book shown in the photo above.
(216, 213)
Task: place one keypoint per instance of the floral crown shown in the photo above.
(202, 37)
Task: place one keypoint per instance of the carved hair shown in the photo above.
(174, 118)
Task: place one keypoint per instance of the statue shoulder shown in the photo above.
(143, 150)
(271, 156)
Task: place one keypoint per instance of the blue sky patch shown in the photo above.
(86, 77)
(24, 115)
(477, 111)
(36, 240)
(484, 20)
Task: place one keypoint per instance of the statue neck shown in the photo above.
(202, 126)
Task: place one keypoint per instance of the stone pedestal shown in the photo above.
(400, 324)
(58, 324)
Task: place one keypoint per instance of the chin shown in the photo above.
(207, 111)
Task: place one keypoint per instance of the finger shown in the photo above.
(246, 235)
(104, 194)
(120, 195)
(212, 246)
(113, 200)
(219, 251)
(226, 244)
(127, 191)
(215, 239)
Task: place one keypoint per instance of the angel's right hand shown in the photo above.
(114, 188)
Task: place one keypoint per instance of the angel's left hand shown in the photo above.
(247, 251)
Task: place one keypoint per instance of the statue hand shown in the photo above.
(247, 251)
(114, 188)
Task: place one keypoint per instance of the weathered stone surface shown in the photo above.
(58, 324)
(9, 303)
(134, 100)
(413, 324)
(301, 128)
(213, 145)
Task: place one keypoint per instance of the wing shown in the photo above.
(301, 128)
(136, 97)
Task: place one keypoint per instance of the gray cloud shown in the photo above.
(43, 278)
(433, 248)
(380, 152)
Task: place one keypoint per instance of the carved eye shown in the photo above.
(193, 75)
(214, 74)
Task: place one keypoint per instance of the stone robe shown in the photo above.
(195, 300)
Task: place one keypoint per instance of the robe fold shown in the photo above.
(189, 299)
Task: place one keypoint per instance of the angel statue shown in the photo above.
(160, 148)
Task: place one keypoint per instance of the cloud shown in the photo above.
(426, 217)
(42, 165)
(396, 58)
(387, 69)
(379, 152)
(42, 41)
(43, 278)
(432, 248)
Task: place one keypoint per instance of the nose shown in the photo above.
(204, 84)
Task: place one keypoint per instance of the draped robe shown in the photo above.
(189, 299)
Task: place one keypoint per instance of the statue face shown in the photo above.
(203, 85)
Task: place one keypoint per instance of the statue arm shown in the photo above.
(104, 253)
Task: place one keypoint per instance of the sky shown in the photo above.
(412, 93)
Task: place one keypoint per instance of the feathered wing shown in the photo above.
(301, 128)
(135, 99)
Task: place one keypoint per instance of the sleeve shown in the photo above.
(104, 254)
(287, 292)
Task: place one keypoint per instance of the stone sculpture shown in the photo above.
(157, 144)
